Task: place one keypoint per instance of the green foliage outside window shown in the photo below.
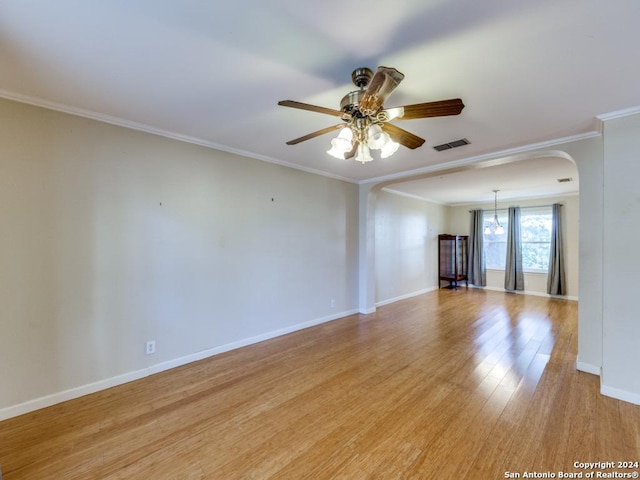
(536, 240)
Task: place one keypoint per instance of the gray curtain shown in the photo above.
(513, 276)
(556, 284)
(477, 273)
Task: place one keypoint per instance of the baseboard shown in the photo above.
(404, 297)
(70, 394)
(619, 394)
(588, 368)
(527, 292)
(367, 311)
(194, 357)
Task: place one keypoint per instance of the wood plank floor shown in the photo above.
(464, 384)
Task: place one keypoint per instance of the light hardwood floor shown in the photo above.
(464, 384)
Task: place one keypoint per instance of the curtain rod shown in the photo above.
(507, 208)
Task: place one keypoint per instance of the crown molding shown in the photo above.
(412, 196)
(465, 162)
(142, 127)
(117, 121)
(626, 112)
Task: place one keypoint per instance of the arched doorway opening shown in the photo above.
(405, 215)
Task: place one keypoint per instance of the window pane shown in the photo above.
(495, 254)
(495, 245)
(535, 256)
(536, 239)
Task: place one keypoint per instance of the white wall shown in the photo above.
(406, 245)
(111, 237)
(535, 283)
(621, 321)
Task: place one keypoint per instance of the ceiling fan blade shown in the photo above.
(441, 108)
(311, 108)
(384, 81)
(389, 114)
(315, 134)
(403, 137)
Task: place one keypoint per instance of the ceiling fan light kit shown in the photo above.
(366, 124)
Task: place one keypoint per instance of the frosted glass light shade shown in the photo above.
(344, 140)
(363, 154)
(334, 152)
(376, 138)
(341, 144)
(389, 148)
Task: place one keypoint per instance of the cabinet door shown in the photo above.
(462, 255)
(447, 257)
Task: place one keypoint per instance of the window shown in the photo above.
(536, 239)
(495, 246)
(535, 225)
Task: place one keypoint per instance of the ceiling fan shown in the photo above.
(365, 122)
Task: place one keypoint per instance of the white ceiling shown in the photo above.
(528, 72)
(527, 178)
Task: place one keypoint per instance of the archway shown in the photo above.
(371, 193)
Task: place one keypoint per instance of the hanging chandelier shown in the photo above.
(494, 226)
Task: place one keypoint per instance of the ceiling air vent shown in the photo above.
(450, 145)
(565, 180)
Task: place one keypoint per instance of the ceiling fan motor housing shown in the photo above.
(361, 77)
(349, 103)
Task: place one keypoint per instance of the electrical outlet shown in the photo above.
(333, 304)
(151, 347)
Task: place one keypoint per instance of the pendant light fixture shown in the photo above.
(494, 226)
